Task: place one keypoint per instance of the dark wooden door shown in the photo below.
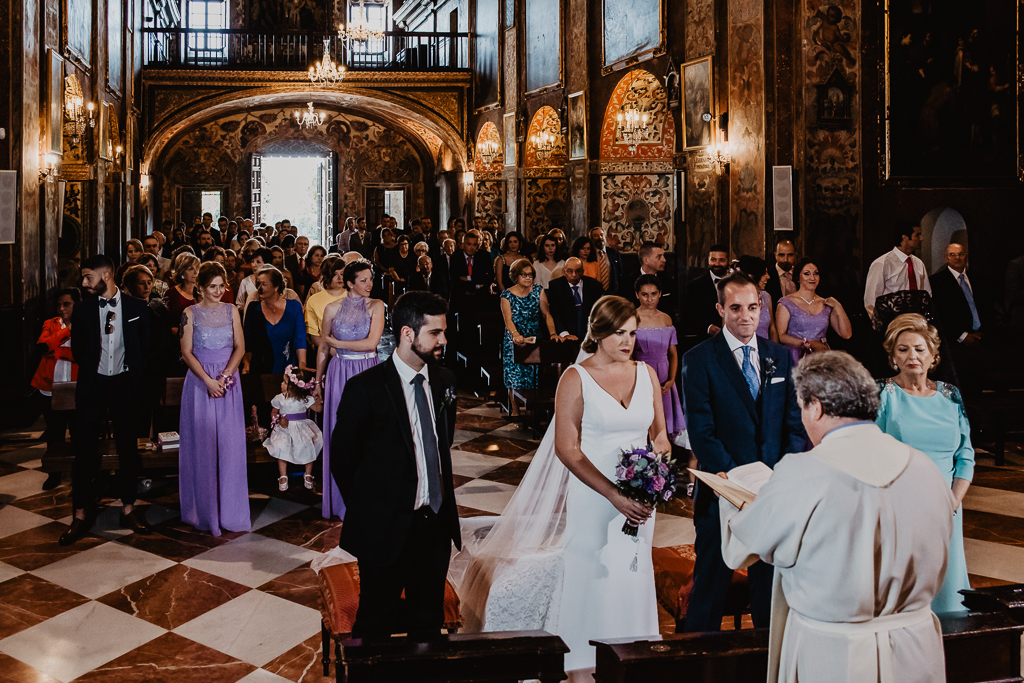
(374, 206)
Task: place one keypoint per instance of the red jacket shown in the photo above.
(55, 333)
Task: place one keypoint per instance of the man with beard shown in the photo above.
(399, 417)
(702, 295)
(780, 278)
(205, 243)
(109, 338)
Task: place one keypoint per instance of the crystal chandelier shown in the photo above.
(76, 123)
(544, 143)
(359, 31)
(488, 151)
(326, 72)
(632, 124)
(309, 119)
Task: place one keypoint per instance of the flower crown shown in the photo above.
(294, 378)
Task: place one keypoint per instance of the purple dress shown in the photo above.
(803, 325)
(212, 481)
(652, 348)
(351, 323)
(766, 315)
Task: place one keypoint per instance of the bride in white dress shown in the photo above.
(556, 559)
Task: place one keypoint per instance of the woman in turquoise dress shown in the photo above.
(522, 305)
(929, 416)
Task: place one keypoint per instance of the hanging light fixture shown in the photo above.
(309, 119)
(74, 113)
(359, 31)
(488, 151)
(544, 144)
(326, 73)
(632, 123)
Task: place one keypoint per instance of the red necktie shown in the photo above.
(469, 266)
(911, 276)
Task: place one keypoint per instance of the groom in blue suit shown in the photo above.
(740, 407)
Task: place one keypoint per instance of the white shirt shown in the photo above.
(407, 374)
(889, 273)
(957, 276)
(112, 360)
(736, 346)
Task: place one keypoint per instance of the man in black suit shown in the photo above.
(704, 318)
(612, 256)
(961, 304)
(780, 278)
(652, 262)
(471, 273)
(741, 407)
(109, 338)
(570, 299)
(396, 423)
(426, 279)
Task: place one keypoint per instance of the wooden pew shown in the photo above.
(501, 657)
(538, 405)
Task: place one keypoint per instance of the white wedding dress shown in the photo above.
(557, 559)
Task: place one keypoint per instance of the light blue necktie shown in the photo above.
(749, 373)
(970, 301)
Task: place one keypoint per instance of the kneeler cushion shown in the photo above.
(673, 581)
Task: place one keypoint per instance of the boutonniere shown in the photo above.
(448, 399)
(770, 364)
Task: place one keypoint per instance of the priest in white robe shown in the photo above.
(858, 530)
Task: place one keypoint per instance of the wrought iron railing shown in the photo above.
(176, 48)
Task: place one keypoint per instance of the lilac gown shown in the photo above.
(765, 322)
(652, 348)
(351, 322)
(803, 325)
(212, 481)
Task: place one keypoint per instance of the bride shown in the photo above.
(556, 559)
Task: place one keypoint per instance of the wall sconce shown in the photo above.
(48, 169)
(467, 179)
(76, 123)
(720, 155)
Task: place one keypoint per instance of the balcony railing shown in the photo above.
(175, 48)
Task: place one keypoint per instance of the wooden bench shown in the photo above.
(500, 657)
(56, 462)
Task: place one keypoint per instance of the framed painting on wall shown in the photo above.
(698, 106)
(509, 121)
(577, 126)
(632, 30)
(115, 46)
(543, 45)
(77, 25)
(106, 151)
(55, 104)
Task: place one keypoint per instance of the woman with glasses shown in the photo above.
(522, 305)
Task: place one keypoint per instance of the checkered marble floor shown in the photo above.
(181, 605)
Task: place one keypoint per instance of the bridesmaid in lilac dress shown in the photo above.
(352, 327)
(803, 317)
(656, 346)
(212, 481)
(757, 270)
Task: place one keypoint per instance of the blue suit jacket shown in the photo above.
(727, 427)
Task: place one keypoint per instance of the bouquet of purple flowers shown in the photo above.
(646, 477)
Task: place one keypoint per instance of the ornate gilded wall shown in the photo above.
(701, 180)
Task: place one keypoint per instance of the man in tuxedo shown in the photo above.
(780, 278)
(570, 300)
(607, 258)
(652, 262)
(109, 338)
(705, 318)
(740, 407)
(396, 423)
(471, 272)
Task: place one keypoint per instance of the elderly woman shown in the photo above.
(929, 416)
(855, 605)
(275, 332)
(159, 290)
(522, 306)
(803, 317)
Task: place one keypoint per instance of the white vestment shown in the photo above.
(858, 530)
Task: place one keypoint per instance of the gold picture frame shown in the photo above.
(635, 10)
(55, 104)
(578, 125)
(698, 102)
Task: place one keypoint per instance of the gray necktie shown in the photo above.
(429, 444)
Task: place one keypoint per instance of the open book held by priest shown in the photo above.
(743, 484)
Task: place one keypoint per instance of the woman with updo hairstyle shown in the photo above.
(185, 273)
(929, 415)
(351, 329)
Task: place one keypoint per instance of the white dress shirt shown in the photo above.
(407, 374)
(736, 346)
(957, 276)
(889, 273)
(112, 360)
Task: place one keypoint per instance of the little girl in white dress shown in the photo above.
(294, 438)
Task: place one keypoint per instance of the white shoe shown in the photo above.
(282, 483)
(308, 481)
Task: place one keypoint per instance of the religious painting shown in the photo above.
(55, 102)
(543, 44)
(115, 47)
(834, 111)
(632, 29)
(78, 30)
(106, 149)
(697, 104)
(638, 209)
(951, 93)
(487, 55)
(510, 139)
(577, 126)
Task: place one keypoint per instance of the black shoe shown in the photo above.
(135, 521)
(77, 529)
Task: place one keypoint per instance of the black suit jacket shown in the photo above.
(438, 284)
(483, 273)
(87, 344)
(725, 425)
(563, 305)
(614, 268)
(950, 303)
(702, 306)
(774, 286)
(374, 464)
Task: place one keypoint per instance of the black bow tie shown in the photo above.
(105, 302)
